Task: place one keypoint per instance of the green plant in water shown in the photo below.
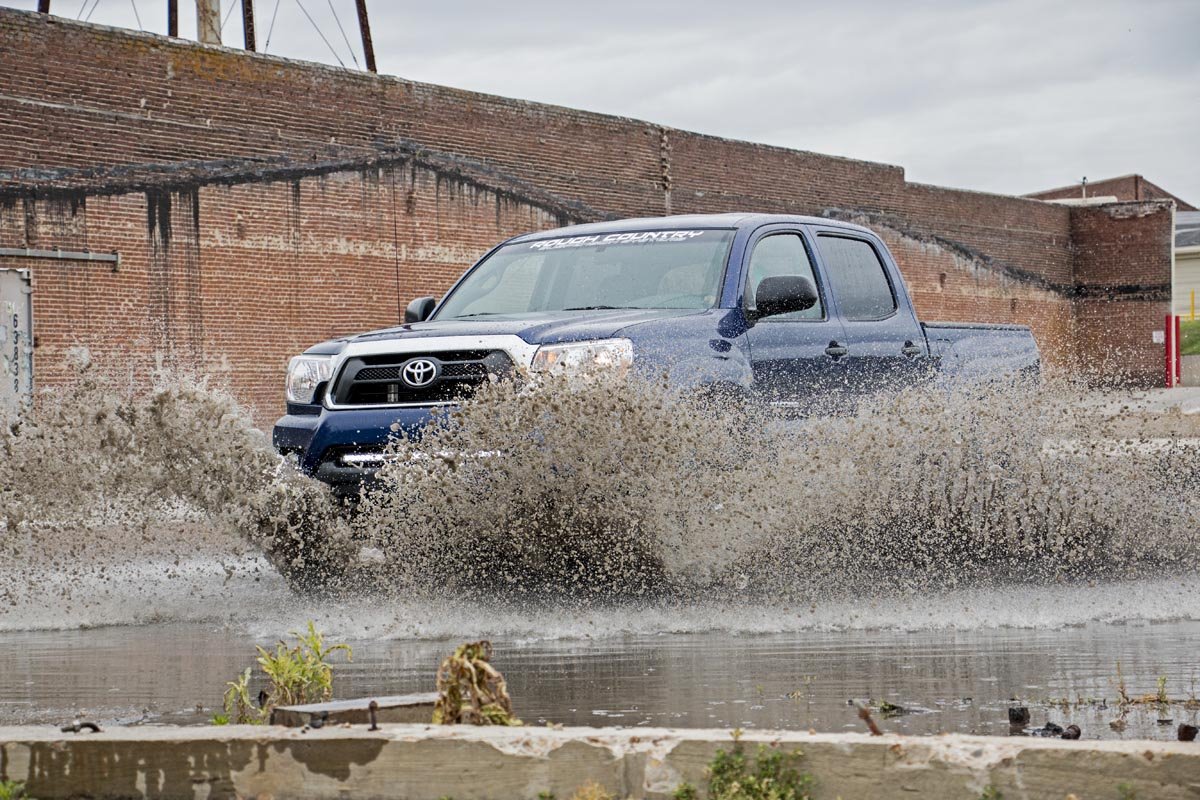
(1126, 791)
(300, 673)
(239, 707)
(770, 776)
(12, 790)
(471, 691)
(990, 792)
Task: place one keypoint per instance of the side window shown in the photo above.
(781, 254)
(858, 278)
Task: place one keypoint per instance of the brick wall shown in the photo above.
(260, 204)
(1125, 188)
(236, 279)
(1123, 258)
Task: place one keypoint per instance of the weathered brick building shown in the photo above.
(259, 205)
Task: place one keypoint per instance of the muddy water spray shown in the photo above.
(594, 491)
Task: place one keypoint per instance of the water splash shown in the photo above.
(619, 507)
(592, 489)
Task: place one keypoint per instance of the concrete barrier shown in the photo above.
(422, 762)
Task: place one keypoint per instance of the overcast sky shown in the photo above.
(1009, 96)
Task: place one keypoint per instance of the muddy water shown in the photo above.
(635, 562)
(949, 679)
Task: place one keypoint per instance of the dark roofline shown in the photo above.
(1043, 194)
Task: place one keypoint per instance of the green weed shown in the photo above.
(12, 790)
(771, 775)
(295, 674)
(300, 673)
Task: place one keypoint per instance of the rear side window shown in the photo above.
(859, 281)
(781, 254)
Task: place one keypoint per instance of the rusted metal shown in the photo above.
(113, 258)
(372, 710)
(173, 18)
(79, 726)
(864, 714)
(248, 25)
(43, 6)
(364, 27)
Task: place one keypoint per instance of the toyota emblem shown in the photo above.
(419, 373)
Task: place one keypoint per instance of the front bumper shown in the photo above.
(321, 440)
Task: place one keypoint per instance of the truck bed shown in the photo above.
(977, 351)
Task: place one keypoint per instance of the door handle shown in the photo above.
(835, 350)
(912, 350)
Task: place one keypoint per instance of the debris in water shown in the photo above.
(471, 691)
(1072, 732)
(864, 714)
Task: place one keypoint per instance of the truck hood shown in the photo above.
(544, 328)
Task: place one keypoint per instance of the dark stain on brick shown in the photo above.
(158, 217)
(449, 170)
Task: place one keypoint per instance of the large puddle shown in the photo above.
(635, 561)
(688, 675)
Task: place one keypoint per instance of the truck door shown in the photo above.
(885, 346)
(796, 358)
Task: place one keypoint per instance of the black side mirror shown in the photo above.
(784, 294)
(420, 309)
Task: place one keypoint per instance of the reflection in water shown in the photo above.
(952, 680)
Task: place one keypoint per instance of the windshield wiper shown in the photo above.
(477, 314)
(600, 308)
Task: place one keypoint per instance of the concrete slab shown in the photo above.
(403, 708)
(425, 762)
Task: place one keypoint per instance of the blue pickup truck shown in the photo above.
(780, 309)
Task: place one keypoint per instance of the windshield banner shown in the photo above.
(637, 237)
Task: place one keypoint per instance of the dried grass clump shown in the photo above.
(471, 691)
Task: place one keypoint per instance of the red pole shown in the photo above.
(1169, 347)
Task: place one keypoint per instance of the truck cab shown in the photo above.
(793, 311)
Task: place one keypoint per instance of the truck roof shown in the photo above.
(682, 221)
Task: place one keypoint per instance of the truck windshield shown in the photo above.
(640, 269)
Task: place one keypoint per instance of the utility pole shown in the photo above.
(208, 21)
(173, 18)
(248, 24)
(365, 28)
(43, 6)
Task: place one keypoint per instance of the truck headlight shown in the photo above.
(305, 374)
(605, 355)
